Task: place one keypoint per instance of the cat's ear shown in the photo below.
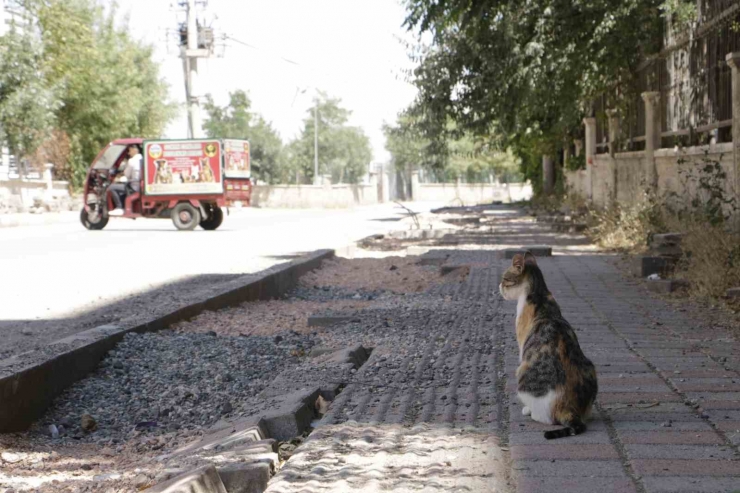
(518, 262)
(529, 259)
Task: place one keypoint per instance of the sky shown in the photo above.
(351, 49)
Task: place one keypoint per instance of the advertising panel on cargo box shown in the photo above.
(182, 167)
(236, 159)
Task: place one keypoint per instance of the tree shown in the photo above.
(527, 69)
(27, 104)
(344, 151)
(77, 71)
(473, 158)
(236, 121)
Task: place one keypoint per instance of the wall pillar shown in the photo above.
(385, 186)
(613, 144)
(48, 176)
(733, 60)
(652, 137)
(548, 174)
(415, 190)
(578, 143)
(590, 124)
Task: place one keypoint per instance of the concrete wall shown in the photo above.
(472, 193)
(21, 195)
(626, 170)
(314, 196)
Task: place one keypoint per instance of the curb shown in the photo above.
(26, 393)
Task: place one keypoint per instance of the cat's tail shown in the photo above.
(573, 427)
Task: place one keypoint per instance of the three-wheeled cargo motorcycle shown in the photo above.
(188, 181)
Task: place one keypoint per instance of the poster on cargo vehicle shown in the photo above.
(182, 167)
(236, 159)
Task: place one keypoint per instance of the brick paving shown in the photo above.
(667, 417)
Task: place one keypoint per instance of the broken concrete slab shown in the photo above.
(203, 480)
(536, 250)
(245, 478)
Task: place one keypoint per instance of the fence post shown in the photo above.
(733, 60)
(548, 174)
(652, 136)
(590, 124)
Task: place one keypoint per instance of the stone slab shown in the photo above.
(202, 480)
(245, 478)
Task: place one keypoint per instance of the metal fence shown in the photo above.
(694, 81)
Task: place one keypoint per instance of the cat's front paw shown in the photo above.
(526, 411)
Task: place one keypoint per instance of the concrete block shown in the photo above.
(660, 285)
(536, 250)
(356, 355)
(203, 480)
(245, 478)
(666, 239)
(293, 417)
(645, 266)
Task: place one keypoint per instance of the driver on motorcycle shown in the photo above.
(130, 181)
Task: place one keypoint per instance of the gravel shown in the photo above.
(165, 382)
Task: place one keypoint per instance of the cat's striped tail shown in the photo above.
(574, 427)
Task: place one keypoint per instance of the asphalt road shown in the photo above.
(52, 275)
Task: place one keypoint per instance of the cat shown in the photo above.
(556, 381)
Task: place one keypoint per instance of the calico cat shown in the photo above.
(556, 382)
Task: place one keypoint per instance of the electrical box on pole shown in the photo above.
(196, 42)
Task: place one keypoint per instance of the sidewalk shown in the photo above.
(435, 408)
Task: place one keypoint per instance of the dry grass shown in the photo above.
(711, 261)
(627, 228)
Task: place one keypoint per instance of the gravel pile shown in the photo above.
(165, 382)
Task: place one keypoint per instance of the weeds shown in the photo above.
(628, 228)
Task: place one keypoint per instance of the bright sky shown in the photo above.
(351, 49)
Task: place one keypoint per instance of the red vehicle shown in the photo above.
(188, 181)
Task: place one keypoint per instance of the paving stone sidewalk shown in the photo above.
(438, 411)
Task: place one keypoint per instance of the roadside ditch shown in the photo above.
(237, 388)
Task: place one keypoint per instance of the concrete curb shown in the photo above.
(26, 393)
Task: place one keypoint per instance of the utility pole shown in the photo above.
(316, 143)
(196, 42)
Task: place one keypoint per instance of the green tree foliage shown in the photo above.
(27, 104)
(463, 155)
(104, 84)
(344, 151)
(236, 121)
(526, 68)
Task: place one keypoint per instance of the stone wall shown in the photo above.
(314, 196)
(25, 195)
(624, 174)
(471, 193)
